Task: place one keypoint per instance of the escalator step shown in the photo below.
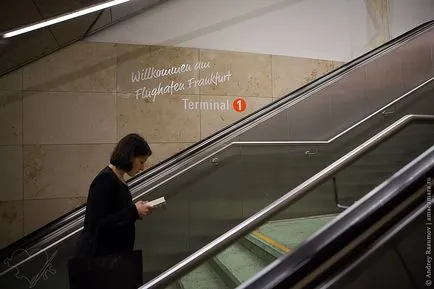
(239, 263)
(292, 232)
(203, 277)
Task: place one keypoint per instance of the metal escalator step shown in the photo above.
(264, 247)
(238, 264)
(203, 277)
(291, 232)
(176, 285)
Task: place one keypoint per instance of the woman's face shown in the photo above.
(138, 165)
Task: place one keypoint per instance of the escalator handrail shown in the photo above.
(286, 271)
(221, 134)
(281, 204)
(73, 222)
(325, 79)
(276, 206)
(304, 142)
(386, 133)
(379, 244)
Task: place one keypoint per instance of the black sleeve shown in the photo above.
(101, 204)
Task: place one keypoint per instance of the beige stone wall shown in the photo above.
(61, 116)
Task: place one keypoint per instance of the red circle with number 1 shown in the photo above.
(239, 104)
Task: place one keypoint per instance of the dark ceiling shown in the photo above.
(17, 51)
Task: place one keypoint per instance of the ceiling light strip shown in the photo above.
(62, 18)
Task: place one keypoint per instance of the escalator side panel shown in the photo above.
(353, 96)
(398, 262)
(387, 272)
(416, 61)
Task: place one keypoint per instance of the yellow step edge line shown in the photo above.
(271, 242)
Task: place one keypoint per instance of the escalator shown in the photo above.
(220, 182)
(383, 242)
(270, 236)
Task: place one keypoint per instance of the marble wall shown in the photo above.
(62, 115)
(379, 14)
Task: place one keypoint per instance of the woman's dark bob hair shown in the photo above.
(130, 146)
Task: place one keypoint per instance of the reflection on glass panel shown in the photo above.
(284, 233)
(396, 263)
(46, 270)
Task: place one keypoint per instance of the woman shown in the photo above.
(110, 213)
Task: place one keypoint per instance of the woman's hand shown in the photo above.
(143, 208)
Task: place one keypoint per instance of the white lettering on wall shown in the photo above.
(205, 105)
(144, 93)
(202, 65)
(152, 73)
(214, 79)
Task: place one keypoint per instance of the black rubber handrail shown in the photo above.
(68, 218)
(292, 268)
